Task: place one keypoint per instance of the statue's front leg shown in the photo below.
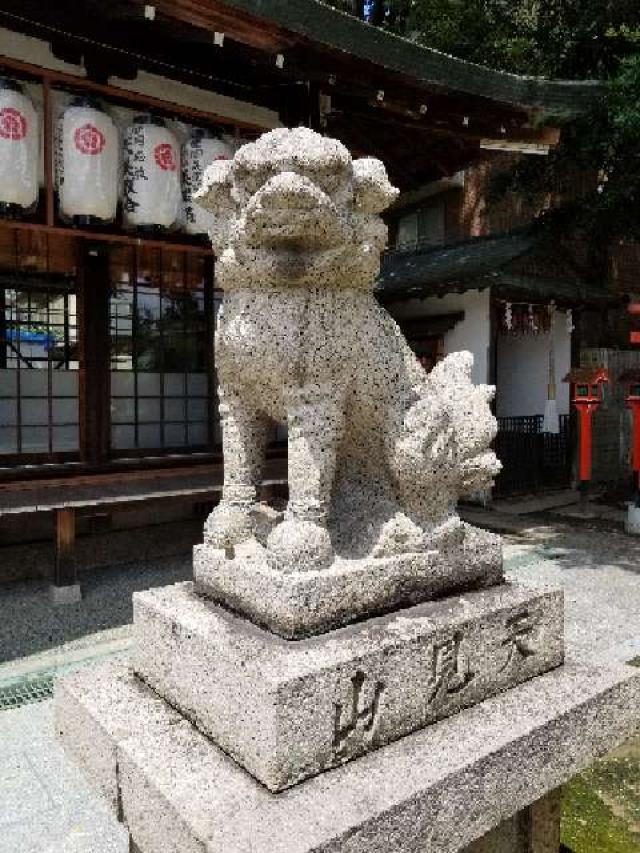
(315, 419)
(244, 438)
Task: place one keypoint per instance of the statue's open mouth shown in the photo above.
(303, 229)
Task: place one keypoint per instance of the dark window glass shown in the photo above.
(159, 385)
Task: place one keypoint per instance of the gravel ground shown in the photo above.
(29, 624)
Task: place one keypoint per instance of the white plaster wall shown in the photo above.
(38, 52)
(523, 371)
(472, 333)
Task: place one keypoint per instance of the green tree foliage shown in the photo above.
(568, 39)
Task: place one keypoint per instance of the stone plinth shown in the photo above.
(296, 604)
(435, 791)
(288, 710)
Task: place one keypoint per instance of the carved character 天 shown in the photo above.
(519, 642)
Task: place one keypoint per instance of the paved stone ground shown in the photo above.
(600, 574)
(46, 807)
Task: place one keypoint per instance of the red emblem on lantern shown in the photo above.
(89, 140)
(221, 157)
(165, 157)
(13, 125)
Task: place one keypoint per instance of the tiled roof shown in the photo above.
(475, 264)
(337, 30)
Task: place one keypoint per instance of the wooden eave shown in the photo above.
(493, 261)
(422, 112)
(281, 24)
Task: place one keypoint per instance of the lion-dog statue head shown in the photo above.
(293, 206)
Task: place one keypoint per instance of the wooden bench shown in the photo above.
(65, 497)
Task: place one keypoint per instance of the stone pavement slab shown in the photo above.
(540, 502)
(44, 803)
(600, 575)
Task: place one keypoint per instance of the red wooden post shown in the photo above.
(631, 380)
(586, 441)
(586, 395)
(634, 405)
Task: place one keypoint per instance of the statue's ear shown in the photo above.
(372, 191)
(214, 193)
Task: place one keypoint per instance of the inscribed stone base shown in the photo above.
(288, 710)
(300, 604)
(436, 791)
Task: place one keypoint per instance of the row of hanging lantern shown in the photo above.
(150, 170)
(19, 147)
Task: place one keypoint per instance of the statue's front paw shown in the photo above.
(399, 535)
(228, 525)
(449, 535)
(299, 546)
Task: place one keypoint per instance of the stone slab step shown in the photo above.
(435, 791)
(287, 710)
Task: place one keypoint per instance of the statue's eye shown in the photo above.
(249, 180)
(329, 181)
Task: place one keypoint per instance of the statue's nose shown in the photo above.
(293, 191)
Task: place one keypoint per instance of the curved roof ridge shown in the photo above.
(319, 22)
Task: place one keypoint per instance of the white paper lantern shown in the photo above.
(87, 162)
(19, 148)
(198, 153)
(152, 193)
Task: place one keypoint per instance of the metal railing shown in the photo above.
(532, 459)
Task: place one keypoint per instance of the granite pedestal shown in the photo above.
(438, 790)
(288, 710)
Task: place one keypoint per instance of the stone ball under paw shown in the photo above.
(299, 546)
(227, 525)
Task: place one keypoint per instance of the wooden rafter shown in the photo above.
(236, 25)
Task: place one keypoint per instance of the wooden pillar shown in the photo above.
(314, 120)
(65, 561)
(209, 319)
(573, 438)
(94, 353)
(300, 105)
(543, 819)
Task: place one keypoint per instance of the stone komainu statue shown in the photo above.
(378, 450)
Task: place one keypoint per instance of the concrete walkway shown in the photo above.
(46, 806)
